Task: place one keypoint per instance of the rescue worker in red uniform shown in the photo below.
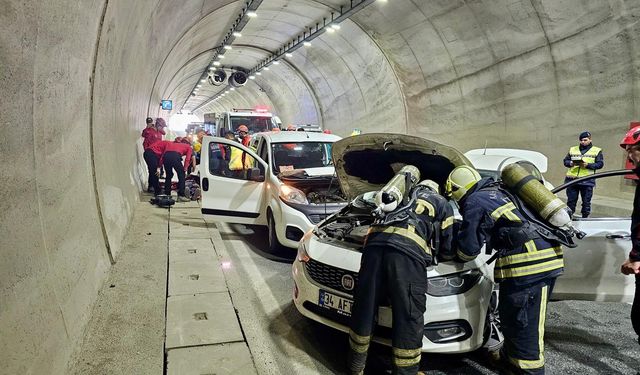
(394, 265)
(526, 268)
(152, 156)
(152, 134)
(172, 160)
(631, 144)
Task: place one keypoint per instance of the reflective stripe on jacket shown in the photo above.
(588, 157)
(414, 236)
(486, 210)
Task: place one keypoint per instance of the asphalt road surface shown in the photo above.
(581, 337)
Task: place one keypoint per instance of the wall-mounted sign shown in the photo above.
(167, 104)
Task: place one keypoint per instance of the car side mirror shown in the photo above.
(254, 174)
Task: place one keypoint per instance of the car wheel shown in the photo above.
(493, 337)
(274, 244)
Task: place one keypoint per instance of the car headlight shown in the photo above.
(456, 283)
(292, 195)
(303, 256)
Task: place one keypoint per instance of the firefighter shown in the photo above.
(527, 265)
(397, 251)
(631, 145)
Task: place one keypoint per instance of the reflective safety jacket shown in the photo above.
(486, 212)
(239, 160)
(591, 155)
(429, 224)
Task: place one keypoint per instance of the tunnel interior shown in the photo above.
(79, 78)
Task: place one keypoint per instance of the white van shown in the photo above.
(287, 183)
(256, 120)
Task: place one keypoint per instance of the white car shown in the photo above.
(461, 307)
(289, 187)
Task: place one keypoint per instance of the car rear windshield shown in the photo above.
(290, 156)
(254, 123)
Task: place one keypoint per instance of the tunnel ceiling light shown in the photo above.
(258, 73)
(237, 34)
(266, 68)
(276, 62)
(227, 47)
(199, 86)
(252, 77)
(331, 30)
(212, 68)
(221, 56)
(307, 44)
(203, 80)
(216, 63)
(335, 26)
(233, 89)
(289, 54)
(252, 14)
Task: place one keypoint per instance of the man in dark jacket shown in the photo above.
(582, 160)
(526, 268)
(398, 249)
(631, 144)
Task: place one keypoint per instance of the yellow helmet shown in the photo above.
(460, 180)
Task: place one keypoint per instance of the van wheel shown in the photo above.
(274, 244)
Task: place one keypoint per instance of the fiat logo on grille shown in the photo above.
(348, 282)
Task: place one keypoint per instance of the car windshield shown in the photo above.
(489, 173)
(290, 156)
(256, 124)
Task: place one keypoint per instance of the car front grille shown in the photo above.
(329, 276)
(316, 218)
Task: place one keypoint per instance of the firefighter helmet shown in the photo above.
(431, 185)
(243, 128)
(460, 180)
(631, 138)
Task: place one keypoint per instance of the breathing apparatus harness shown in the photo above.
(406, 214)
(516, 234)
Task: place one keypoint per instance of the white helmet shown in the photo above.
(460, 180)
(431, 185)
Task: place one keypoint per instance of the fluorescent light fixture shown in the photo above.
(252, 77)
(335, 26)
(258, 73)
(252, 14)
(211, 68)
(276, 62)
(221, 56)
(227, 47)
(199, 85)
(306, 44)
(289, 54)
(203, 80)
(216, 63)
(266, 68)
(331, 30)
(233, 89)
(237, 34)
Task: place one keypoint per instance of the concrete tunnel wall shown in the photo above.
(79, 78)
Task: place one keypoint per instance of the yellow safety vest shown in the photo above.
(239, 160)
(589, 157)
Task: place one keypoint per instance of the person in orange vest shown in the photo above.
(582, 160)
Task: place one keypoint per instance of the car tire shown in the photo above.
(493, 339)
(274, 244)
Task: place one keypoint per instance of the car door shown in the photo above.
(592, 269)
(233, 196)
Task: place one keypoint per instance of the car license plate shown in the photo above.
(337, 303)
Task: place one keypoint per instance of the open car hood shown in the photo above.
(367, 162)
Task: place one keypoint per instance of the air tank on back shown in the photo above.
(391, 195)
(536, 195)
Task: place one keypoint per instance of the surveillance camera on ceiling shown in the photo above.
(217, 78)
(238, 79)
